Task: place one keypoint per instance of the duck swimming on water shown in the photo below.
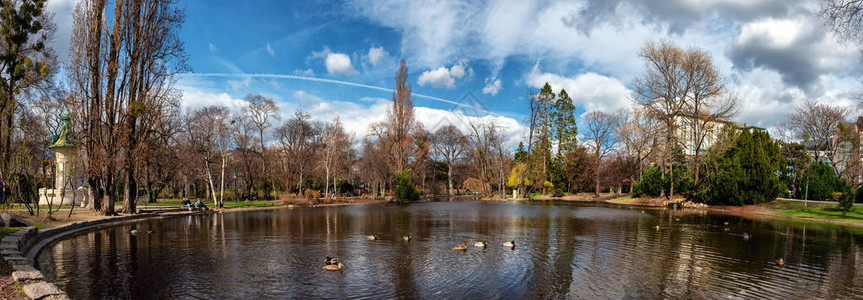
(510, 244)
(373, 237)
(461, 247)
(480, 244)
(407, 238)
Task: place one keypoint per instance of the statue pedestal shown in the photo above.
(61, 197)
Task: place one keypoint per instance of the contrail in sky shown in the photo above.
(315, 79)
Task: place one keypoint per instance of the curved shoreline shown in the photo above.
(30, 242)
(720, 209)
(21, 249)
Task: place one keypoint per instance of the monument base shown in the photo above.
(58, 197)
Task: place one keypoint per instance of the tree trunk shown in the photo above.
(110, 190)
(449, 179)
(596, 176)
(94, 193)
(210, 184)
(221, 201)
(130, 195)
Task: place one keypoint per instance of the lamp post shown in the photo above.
(236, 188)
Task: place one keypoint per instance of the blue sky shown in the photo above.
(332, 57)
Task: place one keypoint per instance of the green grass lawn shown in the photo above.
(621, 199)
(817, 211)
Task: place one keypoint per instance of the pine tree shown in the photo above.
(565, 129)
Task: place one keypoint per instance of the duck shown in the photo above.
(746, 236)
(151, 231)
(335, 267)
(373, 237)
(726, 223)
(657, 227)
(407, 238)
(134, 231)
(461, 247)
(480, 244)
(780, 262)
(510, 244)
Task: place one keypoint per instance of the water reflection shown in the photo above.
(564, 250)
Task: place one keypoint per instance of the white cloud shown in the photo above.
(376, 55)
(307, 72)
(589, 90)
(194, 98)
(492, 86)
(270, 50)
(62, 10)
(444, 77)
(339, 63)
(439, 78)
(240, 84)
(212, 47)
(357, 117)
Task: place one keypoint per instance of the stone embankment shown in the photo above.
(20, 250)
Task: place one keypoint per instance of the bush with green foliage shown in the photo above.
(651, 184)
(846, 201)
(405, 187)
(858, 195)
(823, 182)
(744, 173)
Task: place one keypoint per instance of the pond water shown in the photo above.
(563, 250)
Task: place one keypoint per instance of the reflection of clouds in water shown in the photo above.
(564, 251)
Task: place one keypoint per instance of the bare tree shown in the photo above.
(401, 125)
(708, 105)
(671, 76)
(244, 146)
(117, 76)
(205, 130)
(337, 144)
(844, 17)
(486, 151)
(638, 136)
(601, 136)
(449, 146)
(815, 124)
(297, 138)
(261, 111)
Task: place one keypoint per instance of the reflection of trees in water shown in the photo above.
(563, 252)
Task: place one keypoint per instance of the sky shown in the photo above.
(339, 58)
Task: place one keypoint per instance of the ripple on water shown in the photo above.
(563, 251)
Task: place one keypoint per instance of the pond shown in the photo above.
(563, 250)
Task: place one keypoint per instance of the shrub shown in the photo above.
(405, 187)
(858, 196)
(312, 195)
(651, 183)
(823, 182)
(846, 201)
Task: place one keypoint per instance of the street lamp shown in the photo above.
(236, 188)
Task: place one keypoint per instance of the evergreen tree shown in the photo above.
(565, 129)
(745, 173)
(520, 154)
(822, 182)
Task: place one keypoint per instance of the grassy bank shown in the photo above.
(816, 211)
(4, 231)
